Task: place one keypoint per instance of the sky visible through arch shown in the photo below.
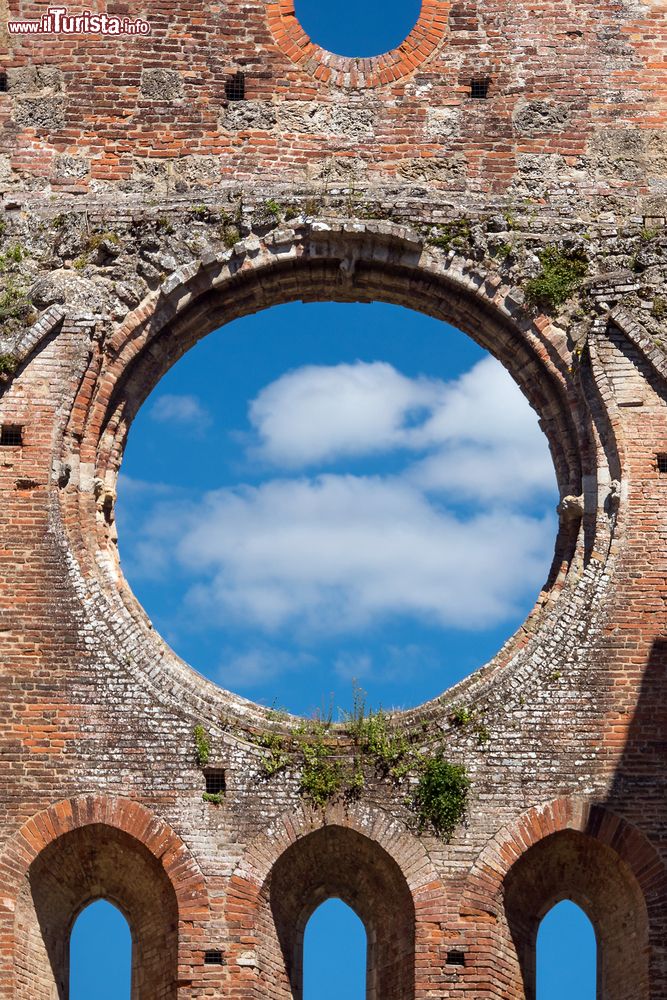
(400, 660)
(326, 493)
(358, 27)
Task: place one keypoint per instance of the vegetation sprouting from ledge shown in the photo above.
(562, 273)
(332, 762)
(202, 745)
(441, 795)
(8, 364)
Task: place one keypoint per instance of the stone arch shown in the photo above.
(315, 260)
(95, 847)
(570, 849)
(363, 857)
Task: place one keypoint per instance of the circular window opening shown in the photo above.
(326, 493)
(358, 29)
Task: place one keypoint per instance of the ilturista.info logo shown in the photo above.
(59, 21)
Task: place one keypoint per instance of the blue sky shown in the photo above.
(298, 495)
(349, 492)
(353, 28)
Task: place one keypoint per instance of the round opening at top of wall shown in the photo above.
(357, 72)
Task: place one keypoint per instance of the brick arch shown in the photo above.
(360, 855)
(487, 875)
(98, 847)
(313, 261)
(266, 848)
(573, 849)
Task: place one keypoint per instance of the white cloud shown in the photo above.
(334, 554)
(479, 436)
(132, 488)
(354, 666)
(338, 553)
(316, 413)
(512, 474)
(184, 409)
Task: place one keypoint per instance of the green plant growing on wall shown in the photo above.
(328, 770)
(562, 273)
(659, 308)
(455, 235)
(510, 221)
(357, 781)
(321, 778)
(202, 745)
(13, 255)
(8, 364)
(201, 212)
(649, 233)
(229, 230)
(483, 734)
(216, 798)
(390, 751)
(441, 796)
(276, 759)
(95, 240)
(502, 250)
(461, 716)
(312, 206)
(273, 208)
(230, 235)
(14, 301)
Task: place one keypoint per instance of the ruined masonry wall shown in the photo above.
(143, 209)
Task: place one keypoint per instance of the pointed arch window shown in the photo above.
(334, 954)
(566, 954)
(100, 954)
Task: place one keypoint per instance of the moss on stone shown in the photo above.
(562, 273)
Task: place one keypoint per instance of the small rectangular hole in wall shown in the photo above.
(11, 436)
(235, 87)
(213, 957)
(215, 781)
(3, 82)
(456, 958)
(661, 459)
(479, 88)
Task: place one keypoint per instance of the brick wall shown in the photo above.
(149, 209)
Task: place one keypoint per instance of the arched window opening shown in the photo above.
(100, 954)
(308, 881)
(63, 938)
(566, 955)
(326, 492)
(354, 29)
(559, 955)
(334, 954)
